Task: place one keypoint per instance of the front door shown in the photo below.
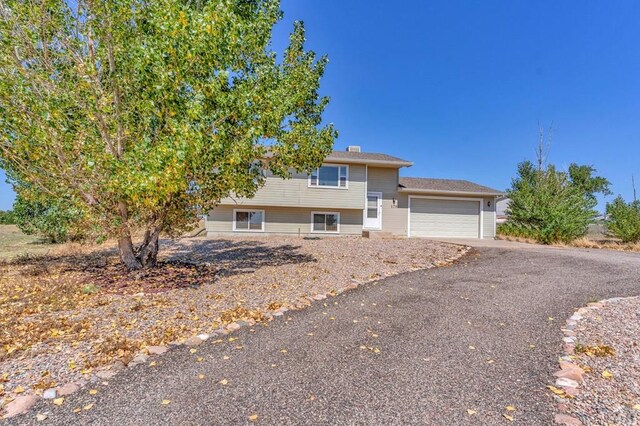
(373, 213)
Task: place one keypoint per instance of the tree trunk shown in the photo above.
(127, 253)
(148, 251)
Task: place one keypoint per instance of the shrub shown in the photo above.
(55, 221)
(7, 217)
(552, 206)
(624, 220)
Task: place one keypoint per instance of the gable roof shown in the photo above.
(409, 184)
(368, 158)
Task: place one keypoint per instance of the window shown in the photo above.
(325, 222)
(248, 220)
(330, 176)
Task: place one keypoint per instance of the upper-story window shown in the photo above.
(330, 176)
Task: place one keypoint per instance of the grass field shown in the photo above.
(14, 243)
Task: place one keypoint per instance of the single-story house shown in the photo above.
(356, 193)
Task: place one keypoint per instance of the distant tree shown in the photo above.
(54, 220)
(7, 217)
(623, 219)
(550, 205)
(147, 113)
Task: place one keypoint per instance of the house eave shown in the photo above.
(382, 163)
(452, 193)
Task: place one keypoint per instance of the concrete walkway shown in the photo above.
(419, 348)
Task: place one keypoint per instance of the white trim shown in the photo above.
(480, 211)
(235, 229)
(364, 219)
(324, 232)
(325, 186)
(366, 185)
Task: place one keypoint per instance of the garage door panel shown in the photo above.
(444, 218)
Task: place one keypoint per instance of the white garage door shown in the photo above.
(444, 218)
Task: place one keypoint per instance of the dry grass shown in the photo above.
(609, 245)
(516, 239)
(583, 242)
(14, 243)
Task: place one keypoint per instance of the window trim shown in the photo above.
(313, 231)
(317, 171)
(235, 228)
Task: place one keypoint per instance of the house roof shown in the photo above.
(368, 158)
(453, 186)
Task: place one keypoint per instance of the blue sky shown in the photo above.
(459, 87)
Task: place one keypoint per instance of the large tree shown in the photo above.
(149, 112)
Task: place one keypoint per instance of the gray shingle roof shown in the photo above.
(367, 157)
(446, 185)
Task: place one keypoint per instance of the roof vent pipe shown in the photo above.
(353, 148)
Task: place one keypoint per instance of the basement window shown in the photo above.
(325, 222)
(248, 220)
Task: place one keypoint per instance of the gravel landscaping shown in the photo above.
(74, 329)
(600, 371)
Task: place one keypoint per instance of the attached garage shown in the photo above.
(444, 217)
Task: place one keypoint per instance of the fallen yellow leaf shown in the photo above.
(508, 417)
(193, 351)
(510, 408)
(93, 391)
(18, 389)
(606, 374)
(166, 401)
(58, 401)
(200, 376)
(636, 407)
(471, 412)
(88, 407)
(77, 410)
(153, 364)
(223, 381)
(556, 390)
(253, 417)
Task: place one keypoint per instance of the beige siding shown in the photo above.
(385, 180)
(295, 192)
(489, 218)
(444, 218)
(282, 220)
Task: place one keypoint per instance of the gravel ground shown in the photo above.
(417, 348)
(608, 400)
(254, 276)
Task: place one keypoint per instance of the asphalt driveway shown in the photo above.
(419, 348)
